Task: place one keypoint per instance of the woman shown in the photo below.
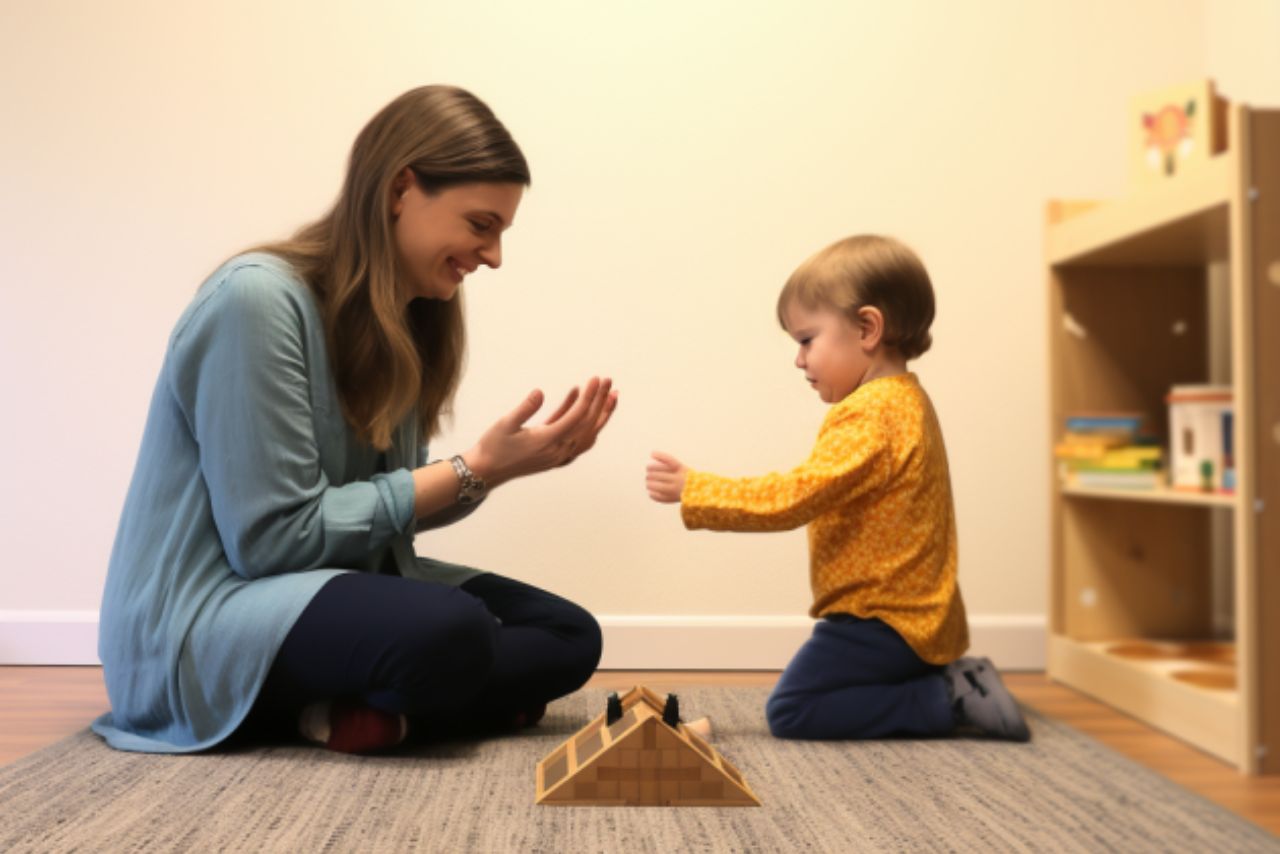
(264, 568)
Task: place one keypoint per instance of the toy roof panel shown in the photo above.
(649, 764)
(639, 759)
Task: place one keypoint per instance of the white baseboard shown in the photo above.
(631, 642)
(49, 637)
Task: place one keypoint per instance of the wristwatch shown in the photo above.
(471, 488)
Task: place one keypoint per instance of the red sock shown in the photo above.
(530, 717)
(352, 726)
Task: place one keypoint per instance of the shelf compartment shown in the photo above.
(1121, 338)
(1180, 222)
(1152, 691)
(1134, 569)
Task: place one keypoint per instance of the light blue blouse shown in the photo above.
(250, 492)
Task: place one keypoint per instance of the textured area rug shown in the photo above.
(1061, 792)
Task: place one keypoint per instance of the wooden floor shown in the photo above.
(41, 705)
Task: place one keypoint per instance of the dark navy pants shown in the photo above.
(444, 655)
(858, 678)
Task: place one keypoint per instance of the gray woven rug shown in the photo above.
(1061, 792)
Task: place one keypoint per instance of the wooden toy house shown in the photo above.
(638, 753)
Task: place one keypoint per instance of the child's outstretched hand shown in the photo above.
(664, 478)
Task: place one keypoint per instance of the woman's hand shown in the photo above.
(664, 478)
(509, 449)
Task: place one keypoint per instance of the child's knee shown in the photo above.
(782, 716)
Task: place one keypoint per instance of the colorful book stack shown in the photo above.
(1107, 450)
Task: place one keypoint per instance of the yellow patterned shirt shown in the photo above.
(876, 495)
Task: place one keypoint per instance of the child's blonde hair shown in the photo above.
(868, 270)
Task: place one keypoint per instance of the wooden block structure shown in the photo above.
(639, 760)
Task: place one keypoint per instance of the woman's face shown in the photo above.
(441, 237)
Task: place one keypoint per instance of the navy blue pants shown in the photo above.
(450, 657)
(858, 678)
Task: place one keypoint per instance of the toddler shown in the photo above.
(885, 656)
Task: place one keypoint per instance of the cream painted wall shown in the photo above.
(1242, 49)
(686, 157)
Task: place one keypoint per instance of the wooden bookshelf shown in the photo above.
(1138, 287)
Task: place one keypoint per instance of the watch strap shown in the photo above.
(471, 488)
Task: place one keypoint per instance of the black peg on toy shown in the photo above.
(671, 712)
(612, 709)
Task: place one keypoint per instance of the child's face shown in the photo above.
(833, 353)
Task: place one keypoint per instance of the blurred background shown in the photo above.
(686, 157)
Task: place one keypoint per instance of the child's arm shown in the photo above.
(850, 459)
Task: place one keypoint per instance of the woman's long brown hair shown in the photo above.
(387, 360)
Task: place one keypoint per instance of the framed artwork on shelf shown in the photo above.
(1175, 129)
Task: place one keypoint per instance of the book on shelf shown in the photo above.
(1115, 458)
(1105, 423)
(1106, 450)
(1139, 479)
